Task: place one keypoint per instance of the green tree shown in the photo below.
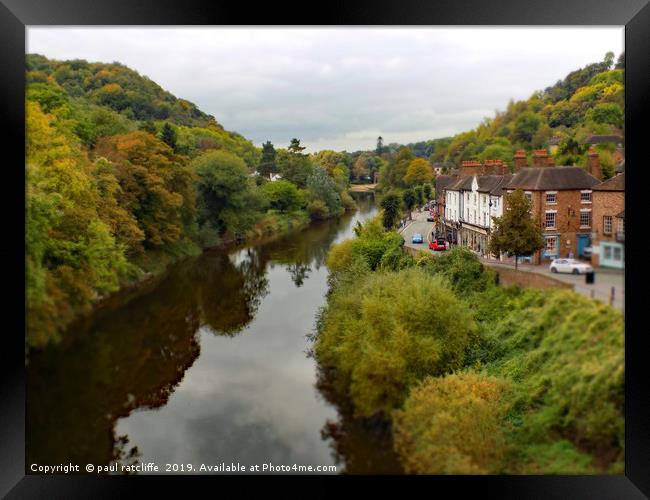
(426, 189)
(409, 199)
(391, 206)
(283, 195)
(295, 147)
(419, 195)
(380, 145)
(322, 187)
(168, 136)
(526, 126)
(516, 232)
(267, 164)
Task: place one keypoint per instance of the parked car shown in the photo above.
(417, 238)
(570, 266)
(430, 217)
(438, 244)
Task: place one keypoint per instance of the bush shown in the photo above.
(462, 268)
(318, 210)
(452, 425)
(388, 331)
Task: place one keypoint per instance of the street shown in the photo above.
(606, 282)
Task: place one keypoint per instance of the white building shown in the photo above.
(470, 204)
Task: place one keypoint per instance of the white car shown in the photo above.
(570, 266)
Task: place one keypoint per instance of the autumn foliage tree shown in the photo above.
(418, 172)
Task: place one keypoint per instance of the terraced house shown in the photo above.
(609, 223)
(562, 202)
(472, 200)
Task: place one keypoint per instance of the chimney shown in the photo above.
(470, 167)
(593, 164)
(540, 158)
(520, 160)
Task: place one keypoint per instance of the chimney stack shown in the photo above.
(520, 160)
(470, 167)
(593, 164)
(540, 158)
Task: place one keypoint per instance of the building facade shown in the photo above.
(562, 202)
(608, 247)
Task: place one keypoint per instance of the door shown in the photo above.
(583, 242)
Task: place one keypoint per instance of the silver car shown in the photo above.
(572, 266)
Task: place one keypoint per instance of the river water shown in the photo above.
(209, 365)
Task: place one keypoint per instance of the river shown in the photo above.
(208, 365)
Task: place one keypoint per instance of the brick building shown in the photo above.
(561, 200)
(609, 223)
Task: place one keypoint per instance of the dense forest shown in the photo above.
(123, 178)
(471, 377)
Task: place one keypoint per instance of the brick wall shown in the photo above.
(567, 219)
(605, 203)
(527, 279)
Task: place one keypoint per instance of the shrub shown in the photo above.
(389, 331)
(452, 425)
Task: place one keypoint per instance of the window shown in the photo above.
(551, 198)
(585, 218)
(550, 220)
(529, 195)
(607, 224)
(551, 244)
(621, 225)
(608, 252)
(585, 196)
(618, 254)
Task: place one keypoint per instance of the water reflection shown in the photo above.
(106, 393)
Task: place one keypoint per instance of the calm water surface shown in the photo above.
(208, 365)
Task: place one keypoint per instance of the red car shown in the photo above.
(438, 244)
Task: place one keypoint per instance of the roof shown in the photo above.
(599, 139)
(464, 183)
(620, 167)
(443, 181)
(505, 179)
(616, 183)
(552, 178)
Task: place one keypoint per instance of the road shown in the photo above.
(418, 225)
(604, 280)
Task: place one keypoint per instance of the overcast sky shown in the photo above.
(340, 88)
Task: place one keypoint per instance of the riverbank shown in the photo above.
(154, 267)
(499, 359)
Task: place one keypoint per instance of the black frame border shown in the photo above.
(15, 15)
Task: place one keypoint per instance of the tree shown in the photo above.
(294, 167)
(418, 172)
(168, 136)
(409, 199)
(526, 126)
(426, 189)
(516, 233)
(391, 206)
(380, 145)
(283, 195)
(295, 147)
(419, 195)
(227, 199)
(267, 164)
(322, 187)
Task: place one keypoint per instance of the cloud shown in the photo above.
(331, 86)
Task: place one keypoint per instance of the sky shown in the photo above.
(340, 88)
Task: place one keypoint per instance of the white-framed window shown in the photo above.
(621, 225)
(549, 219)
(585, 196)
(529, 195)
(585, 218)
(607, 224)
(551, 197)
